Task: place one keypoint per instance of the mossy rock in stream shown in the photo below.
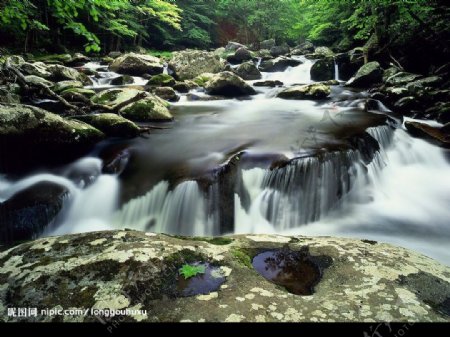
(149, 109)
(161, 80)
(310, 91)
(115, 96)
(66, 85)
(323, 69)
(111, 124)
(32, 136)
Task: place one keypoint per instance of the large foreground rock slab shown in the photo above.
(360, 280)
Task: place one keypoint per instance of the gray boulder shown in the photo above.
(248, 71)
(323, 70)
(278, 64)
(137, 65)
(368, 75)
(229, 85)
(188, 64)
(310, 91)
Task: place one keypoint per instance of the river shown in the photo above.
(264, 165)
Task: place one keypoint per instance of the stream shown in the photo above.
(263, 165)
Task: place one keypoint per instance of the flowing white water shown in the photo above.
(336, 71)
(292, 75)
(400, 197)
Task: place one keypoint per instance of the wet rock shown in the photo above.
(389, 72)
(77, 60)
(233, 46)
(62, 73)
(115, 161)
(407, 105)
(29, 135)
(66, 85)
(36, 69)
(193, 98)
(166, 93)
(137, 65)
(111, 124)
(276, 51)
(264, 54)
(278, 64)
(401, 78)
(296, 271)
(320, 52)
(35, 80)
(181, 87)
(229, 85)
(115, 96)
(241, 55)
(6, 96)
(426, 131)
(77, 92)
(202, 79)
(323, 70)
(267, 44)
(303, 49)
(128, 270)
(348, 65)
(149, 109)
(248, 71)
(439, 112)
(28, 212)
(188, 64)
(161, 80)
(310, 91)
(368, 75)
(268, 83)
(122, 80)
(423, 85)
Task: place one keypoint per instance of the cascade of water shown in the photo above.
(336, 71)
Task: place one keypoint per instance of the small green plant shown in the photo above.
(189, 271)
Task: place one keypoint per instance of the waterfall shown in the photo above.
(178, 211)
(336, 70)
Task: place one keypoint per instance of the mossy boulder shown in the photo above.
(276, 51)
(36, 80)
(248, 71)
(137, 65)
(62, 73)
(401, 79)
(111, 124)
(202, 79)
(359, 280)
(229, 85)
(161, 80)
(368, 75)
(115, 96)
(66, 85)
(323, 70)
(240, 55)
(122, 80)
(188, 64)
(36, 69)
(310, 91)
(30, 135)
(88, 93)
(166, 93)
(149, 109)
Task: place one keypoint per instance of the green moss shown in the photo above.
(85, 92)
(218, 241)
(162, 80)
(167, 55)
(242, 258)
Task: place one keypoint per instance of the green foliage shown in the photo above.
(189, 271)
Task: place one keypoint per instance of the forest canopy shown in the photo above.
(106, 25)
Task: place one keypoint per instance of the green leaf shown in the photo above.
(189, 271)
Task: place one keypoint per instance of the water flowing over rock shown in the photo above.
(279, 64)
(228, 84)
(369, 74)
(428, 132)
(310, 91)
(120, 270)
(137, 65)
(188, 64)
